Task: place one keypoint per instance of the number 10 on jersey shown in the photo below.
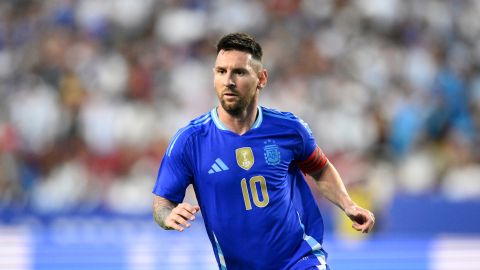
(254, 191)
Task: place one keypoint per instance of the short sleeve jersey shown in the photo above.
(258, 210)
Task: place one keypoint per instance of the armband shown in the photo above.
(316, 161)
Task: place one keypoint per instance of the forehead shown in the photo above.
(233, 58)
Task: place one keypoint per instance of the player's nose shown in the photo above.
(229, 82)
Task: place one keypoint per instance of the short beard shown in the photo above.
(235, 109)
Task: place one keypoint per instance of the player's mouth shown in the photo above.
(230, 95)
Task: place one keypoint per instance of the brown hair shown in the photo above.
(240, 42)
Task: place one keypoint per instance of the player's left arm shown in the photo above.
(331, 186)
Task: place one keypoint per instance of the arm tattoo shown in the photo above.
(161, 209)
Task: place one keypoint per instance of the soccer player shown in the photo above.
(247, 164)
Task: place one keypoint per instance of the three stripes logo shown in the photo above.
(218, 166)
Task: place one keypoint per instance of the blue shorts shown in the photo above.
(310, 262)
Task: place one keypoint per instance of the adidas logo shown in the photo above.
(218, 166)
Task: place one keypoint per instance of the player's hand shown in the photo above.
(181, 216)
(363, 220)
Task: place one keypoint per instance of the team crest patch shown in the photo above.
(244, 157)
(271, 153)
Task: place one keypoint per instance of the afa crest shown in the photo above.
(271, 153)
(244, 157)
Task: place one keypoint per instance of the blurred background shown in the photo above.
(91, 92)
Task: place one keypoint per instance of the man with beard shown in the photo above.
(247, 164)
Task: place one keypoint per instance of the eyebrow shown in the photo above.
(233, 69)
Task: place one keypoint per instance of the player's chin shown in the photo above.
(232, 107)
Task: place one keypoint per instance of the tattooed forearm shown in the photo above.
(161, 209)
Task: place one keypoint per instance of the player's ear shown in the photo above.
(262, 78)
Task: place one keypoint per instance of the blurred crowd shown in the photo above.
(91, 92)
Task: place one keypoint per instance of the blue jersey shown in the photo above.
(258, 210)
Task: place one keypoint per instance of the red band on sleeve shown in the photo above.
(316, 161)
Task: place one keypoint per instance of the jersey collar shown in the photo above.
(220, 125)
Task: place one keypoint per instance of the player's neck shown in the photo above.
(239, 124)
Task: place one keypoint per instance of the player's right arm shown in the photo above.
(173, 216)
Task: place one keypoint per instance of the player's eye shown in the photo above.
(221, 71)
(240, 72)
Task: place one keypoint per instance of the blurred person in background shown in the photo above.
(247, 163)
